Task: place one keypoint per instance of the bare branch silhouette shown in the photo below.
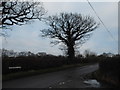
(70, 29)
(19, 13)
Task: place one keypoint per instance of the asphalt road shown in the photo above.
(69, 78)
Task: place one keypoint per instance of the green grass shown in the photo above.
(105, 79)
(36, 72)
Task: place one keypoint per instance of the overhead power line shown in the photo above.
(101, 21)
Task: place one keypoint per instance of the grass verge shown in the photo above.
(36, 72)
(105, 79)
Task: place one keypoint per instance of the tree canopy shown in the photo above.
(19, 13)
(71, 29)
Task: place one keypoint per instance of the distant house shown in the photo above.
(41, 54)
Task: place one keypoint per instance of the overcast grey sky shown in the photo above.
(26, 37)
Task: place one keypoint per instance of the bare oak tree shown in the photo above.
(69, 29)
(19, 13)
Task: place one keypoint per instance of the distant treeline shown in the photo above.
(12, 53)
(29, 61)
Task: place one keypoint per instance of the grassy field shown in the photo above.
(36, 72)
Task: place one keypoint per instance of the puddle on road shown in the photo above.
(92, 83)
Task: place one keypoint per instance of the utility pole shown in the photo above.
(0, 13)
(119, 28)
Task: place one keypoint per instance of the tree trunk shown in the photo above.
(71, 52)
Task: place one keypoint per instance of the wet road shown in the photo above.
(70, 78)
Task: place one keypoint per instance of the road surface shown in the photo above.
(69, 78)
